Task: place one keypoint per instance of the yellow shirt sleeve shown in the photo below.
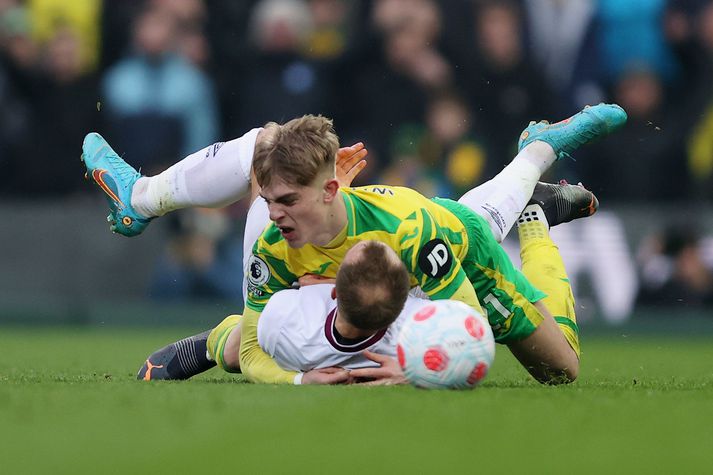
(466, 294)
(255, 364)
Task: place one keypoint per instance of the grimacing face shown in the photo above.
(299, 212)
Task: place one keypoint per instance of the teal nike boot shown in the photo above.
(116, 178)
(588, 125)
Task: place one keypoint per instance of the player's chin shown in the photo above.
(295, 244)
(294, 240)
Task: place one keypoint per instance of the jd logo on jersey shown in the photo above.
(435, 258)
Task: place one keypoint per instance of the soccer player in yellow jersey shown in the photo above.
(315, 223)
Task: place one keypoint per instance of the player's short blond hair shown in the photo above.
(297, 151)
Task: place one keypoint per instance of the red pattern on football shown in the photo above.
(478, 373)
(435, 359)
(425, 313)
(474, 327)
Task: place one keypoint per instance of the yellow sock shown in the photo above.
(217, 339)
(542, 265)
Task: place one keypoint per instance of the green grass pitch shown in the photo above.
(69, 403)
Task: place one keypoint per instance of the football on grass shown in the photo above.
(445, 344)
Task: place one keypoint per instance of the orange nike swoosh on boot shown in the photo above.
(98, 177)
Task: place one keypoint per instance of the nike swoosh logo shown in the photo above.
(98, 177)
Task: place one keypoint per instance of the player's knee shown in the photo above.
(231, 361)
(563, 373)
(231, 351)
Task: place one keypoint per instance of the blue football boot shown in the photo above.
(116, 178)
(588, 125)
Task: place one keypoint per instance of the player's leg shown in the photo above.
(501, 200)
(196, 354)
(513, 303)
(545, 353)
(180, 360)
(221, 345)
(551, 352)
(212, 177)
(224, 344)
(224, 340)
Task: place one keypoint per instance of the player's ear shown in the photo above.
(334, 293)
(331, 187)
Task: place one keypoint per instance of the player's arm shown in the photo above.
(255, 364)
(267, 275)
(427, 253)
(388, 372)
(258, 367)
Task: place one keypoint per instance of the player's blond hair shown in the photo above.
(296, 152)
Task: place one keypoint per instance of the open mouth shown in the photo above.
(287, 232)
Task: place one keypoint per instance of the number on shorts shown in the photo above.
(500, 308)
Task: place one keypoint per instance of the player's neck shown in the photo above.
(335, 222)
(348, 331)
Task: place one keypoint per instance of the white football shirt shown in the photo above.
(296, 328)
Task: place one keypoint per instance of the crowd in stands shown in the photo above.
(438, 90)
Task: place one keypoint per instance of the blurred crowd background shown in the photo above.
(438, 90)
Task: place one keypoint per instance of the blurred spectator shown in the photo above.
(562, 37)
(674, 272)
(390, 92)
(57, 95)
(160, 106)
(332, 29)
(203, 259)
(19, 49)
(444, 158)
(631, 35)
(697, 94)
(115, 38)
(81, 17)
(506, 90)
(65, 107)
(645, 161)
(226, 31)
(17, 57)
(684, 27)
(190, 16)
(280, 82)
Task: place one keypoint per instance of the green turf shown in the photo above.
(69, 404)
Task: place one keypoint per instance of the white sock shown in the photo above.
(538, 153)
(215, 176)
(501, 199)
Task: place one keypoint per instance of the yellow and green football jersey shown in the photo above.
(428, 237)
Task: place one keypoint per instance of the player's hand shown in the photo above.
(312, 279)
(350, 162)
(330, 375)
(388, 372)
